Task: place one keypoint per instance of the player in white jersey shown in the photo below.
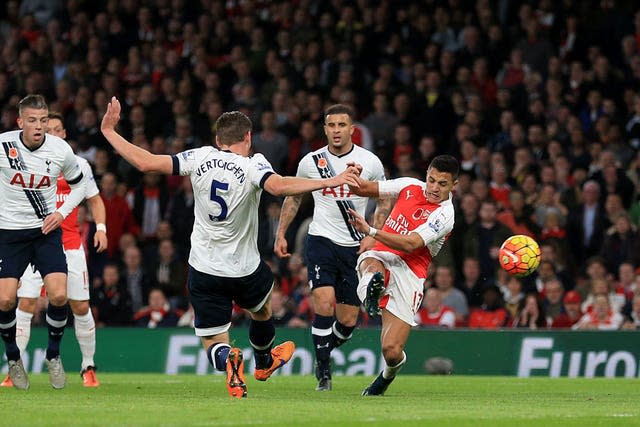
(392, 274)
(225, 265)
(78, 276)
(333, 244)
(30, 164)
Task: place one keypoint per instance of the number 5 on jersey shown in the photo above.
(216, 198)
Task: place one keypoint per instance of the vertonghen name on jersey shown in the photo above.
(206, 166)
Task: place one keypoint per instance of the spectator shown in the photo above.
(602, 317)
(451, 296)
(169, 274)
(491, 314)
(552, 303)
(572, 312)
(158, 314)
(531, 313)
(433, 313)
(120, 220)
(632, 314)
(110, 300)
(137, 282)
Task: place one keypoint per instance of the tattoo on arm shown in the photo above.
(383, 208)
(288, 212)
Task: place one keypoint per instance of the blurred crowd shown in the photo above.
(539, 100)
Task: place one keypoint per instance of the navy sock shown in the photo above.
(217, 354)
(56, 321)
(261, 335)
(8, 333)
(341, 333)
(322, 338)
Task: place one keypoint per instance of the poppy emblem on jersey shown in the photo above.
(322, 163)
(13, 153)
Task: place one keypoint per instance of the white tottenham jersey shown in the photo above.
(227, 189)
(89, 182)
(29, 179)
(330, 213)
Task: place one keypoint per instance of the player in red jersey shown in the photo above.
(393, 272)
(77, 280)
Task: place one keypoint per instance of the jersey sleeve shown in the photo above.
(377, 169)
(393, 187)
(70, 167)
(91, 188)
(185, 162)
(259, 170)
(438, 225)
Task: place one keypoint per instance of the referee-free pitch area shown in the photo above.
(191, 400)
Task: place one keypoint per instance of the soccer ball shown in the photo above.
(519, 255)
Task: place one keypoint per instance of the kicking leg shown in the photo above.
(371, 285)
(395, 333)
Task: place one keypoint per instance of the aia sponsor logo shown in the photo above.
(28, 180)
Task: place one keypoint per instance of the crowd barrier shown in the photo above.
(473, 352)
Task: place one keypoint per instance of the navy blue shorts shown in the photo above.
(18, 248)
(212, 297)
(329, 264)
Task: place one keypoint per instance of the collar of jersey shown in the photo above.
(341, 155)
(29, 148)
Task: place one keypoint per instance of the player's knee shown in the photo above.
(79, 308)
(7, 302)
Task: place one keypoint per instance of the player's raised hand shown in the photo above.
(280, 247)
(112, 115)
(100, 241)
(51, 222)
(358, 222)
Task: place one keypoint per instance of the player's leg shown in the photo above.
(83, 321)
(17, 373)
(395, 333)
(50, 260)
(348, 303)
(16, 248)
(253, 293)
(371, 284)
(212, 312)
(29, 290)
(322, 263)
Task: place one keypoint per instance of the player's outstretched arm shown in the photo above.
(98, 211)
(365, 188)
(287, 214)
(401, 242)
(290, 185)
(140, 158)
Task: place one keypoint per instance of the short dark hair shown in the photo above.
(446, 163)
(56, 116)
(231, 127)
(37, 102)
(340, 109)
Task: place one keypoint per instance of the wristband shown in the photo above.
(372, 232)
(101, 227)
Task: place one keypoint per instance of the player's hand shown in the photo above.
(349, 176)
(280, 247)
(355, 165)
(112, 116)
(366, 244)
(51, 222)
(100, 241)
(358, 222)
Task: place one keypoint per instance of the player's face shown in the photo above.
(33, 123)
(55, 127)
(439, 185)
(338, 128)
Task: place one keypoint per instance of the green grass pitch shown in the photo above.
(191, 400)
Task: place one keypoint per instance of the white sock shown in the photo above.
(23, 329)
(391, 371)
(85, 328)
(362, 285)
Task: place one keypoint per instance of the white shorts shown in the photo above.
(77, 278)
(404, 291)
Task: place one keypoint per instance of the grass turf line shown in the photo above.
(179, 400)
